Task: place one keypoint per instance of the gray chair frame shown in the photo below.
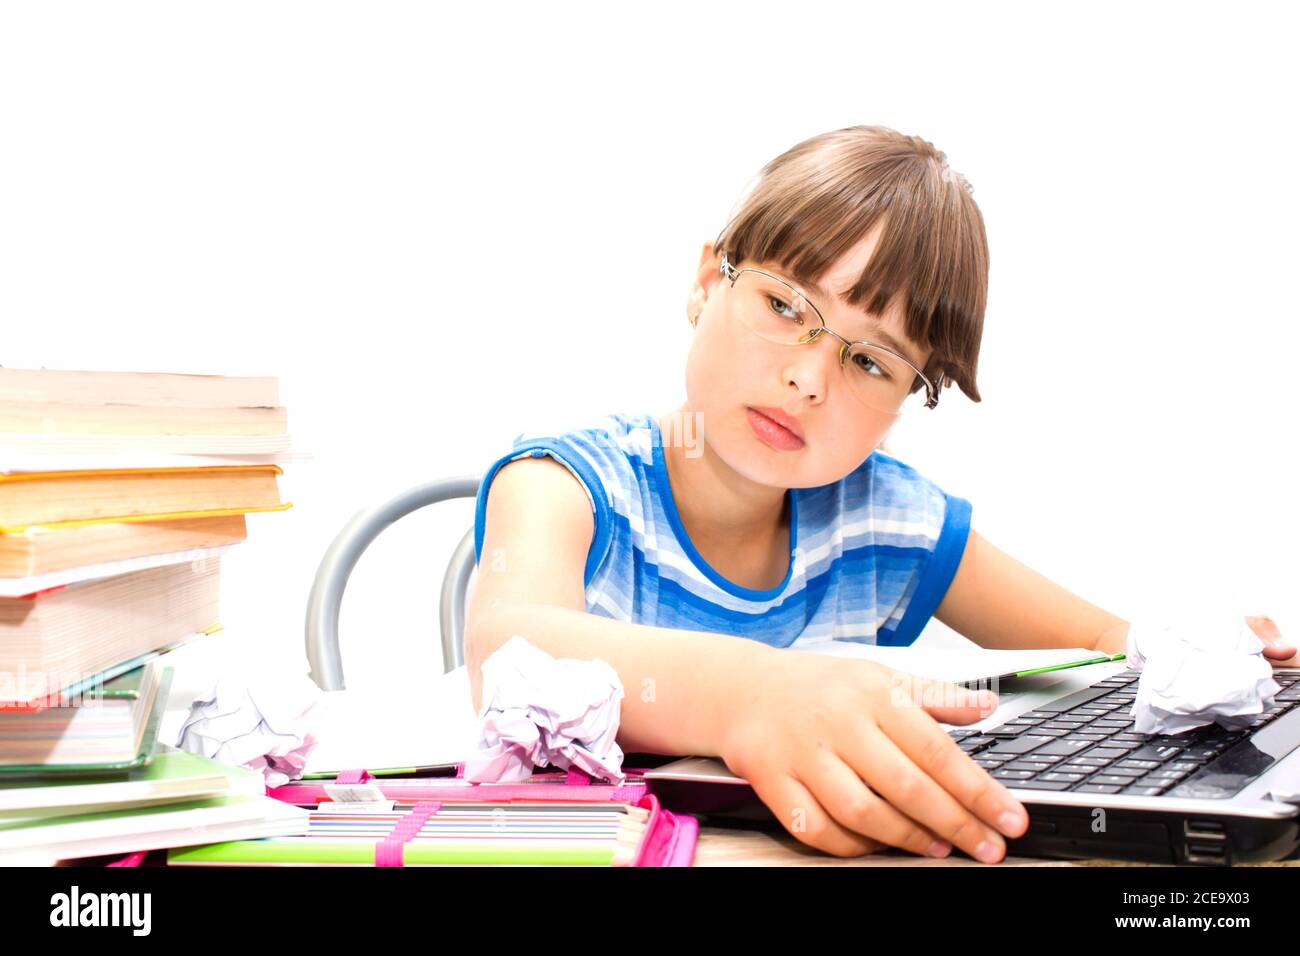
(342, 555)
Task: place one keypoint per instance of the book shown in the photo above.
(112, 726)
(39, 550)
(172, 776)
(221, 818)
(963, 665)
(53, 419)
(114, 495)
(74, 413)
(20, 587)
(59, 638)
(150, 389)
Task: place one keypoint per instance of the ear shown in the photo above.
(706, 278)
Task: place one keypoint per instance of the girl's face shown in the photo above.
(730, 371)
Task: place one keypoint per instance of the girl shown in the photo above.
(692, 548)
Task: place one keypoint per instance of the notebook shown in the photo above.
(113, 727)
(962, 665)
(220, 818)
(172, 776)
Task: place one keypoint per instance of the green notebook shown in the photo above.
(122, 723)
(173, 775)
(181, 823)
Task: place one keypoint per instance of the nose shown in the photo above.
(811, 367)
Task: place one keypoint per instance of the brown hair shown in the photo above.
(820, 197)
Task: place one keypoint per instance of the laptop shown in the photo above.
(1093, 788)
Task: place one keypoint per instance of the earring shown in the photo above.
(694, 319)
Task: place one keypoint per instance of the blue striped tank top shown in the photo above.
(871, 554)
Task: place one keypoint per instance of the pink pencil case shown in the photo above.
(670, 838)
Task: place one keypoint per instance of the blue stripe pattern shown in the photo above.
(872, 554)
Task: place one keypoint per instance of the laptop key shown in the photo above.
(1003, 773)
(1070, 701)
(1066, 747)
(1028, 765)
(1107, 753)
(1144, 791)
(1006, 730)
(1062, 775)
(1096, 788)
(1040, 784)
(1153, 781)
(1131, 772)
(1143, 765)
(1152, 752)
(1022, 744)
(1118, 780)
(1088, 761)
(1164, 773)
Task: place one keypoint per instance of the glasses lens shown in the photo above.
(771, 309)
(884, 381)
(775, 311)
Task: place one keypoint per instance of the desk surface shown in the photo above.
(724, 846)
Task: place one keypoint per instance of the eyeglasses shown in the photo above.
(777, 312)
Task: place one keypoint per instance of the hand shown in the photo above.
(1278, 651)
(849, 755)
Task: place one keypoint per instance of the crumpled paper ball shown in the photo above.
(539, 710)
(260, 721)
(1198, 670)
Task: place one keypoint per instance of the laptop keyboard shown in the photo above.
(1085, 743)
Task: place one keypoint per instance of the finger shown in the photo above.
(1277, 649)
(805, 818)
(932, 781)
(953, 704)
(849, 799)
(950, 703)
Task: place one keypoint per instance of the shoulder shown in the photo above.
(598, 453)
(893, 493)
(600, 449)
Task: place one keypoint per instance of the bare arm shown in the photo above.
(538, 529)
(998, 602)
(809, 732)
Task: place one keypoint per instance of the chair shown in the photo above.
(332, 578)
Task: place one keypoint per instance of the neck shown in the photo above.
(715, 503)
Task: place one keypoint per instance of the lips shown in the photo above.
(771, 432)
(781, 418)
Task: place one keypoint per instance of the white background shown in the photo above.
(436, 226)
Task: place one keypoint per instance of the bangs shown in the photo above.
(820, 198)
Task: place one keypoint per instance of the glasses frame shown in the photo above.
(731, 273)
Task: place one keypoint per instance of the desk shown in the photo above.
(725, 846)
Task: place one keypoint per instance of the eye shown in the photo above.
(778, 304)
(866, 363)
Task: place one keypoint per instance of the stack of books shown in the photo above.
(119, 493)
